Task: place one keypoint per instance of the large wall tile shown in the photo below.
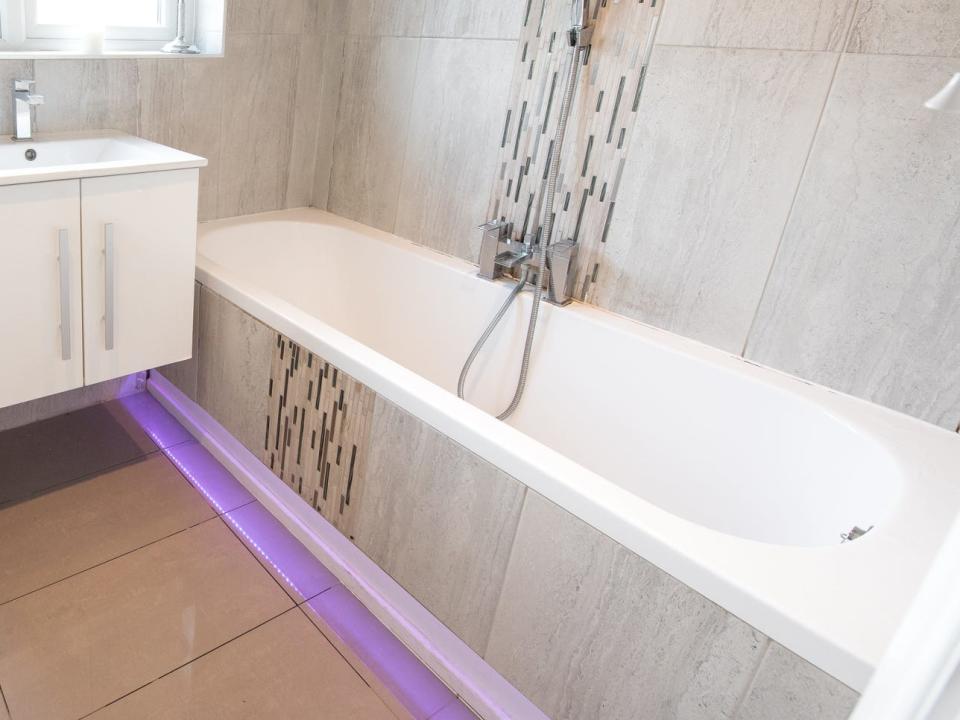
(235, 354)
(370, 138)
(467, 18)
(319, 73)
(931, 27)
(326, 120)
(326, 16)
(180, 106)
(789, 688)
(863, 296)
(87, 95)
(256, 128)
(385, 17)
(439, 519)
(11, 70)
(772, 24)
(587, 629)
(274, 16)
(458, 106)
(714, 165)
(307, 109)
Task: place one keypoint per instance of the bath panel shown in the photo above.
(741, 485)
(467, 559)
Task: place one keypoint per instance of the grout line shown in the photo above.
(316, 595)
(233, 509)
(189, 662)
(417, 77)
(340, 60)
(81, 478)
(506, 571)
(6, 705)
(207, 500)
(297, 604)
(810, 52)
(803, 173)
(333, 644)
(749, 48)
(139, 120)
(421, 36)
(753, 677)
(336, 126)
(468, 37)
(352, 664)
(793, 204)
(256, 557)
(292, 123)
(108, 560)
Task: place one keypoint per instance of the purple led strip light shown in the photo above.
(415, 686)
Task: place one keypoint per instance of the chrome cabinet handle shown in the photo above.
(64, 262)
(109, 285)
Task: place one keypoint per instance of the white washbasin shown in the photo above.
(63, 156)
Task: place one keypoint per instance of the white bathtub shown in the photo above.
(736, 479)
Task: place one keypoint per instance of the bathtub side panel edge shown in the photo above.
(234, 368)
(438, 518)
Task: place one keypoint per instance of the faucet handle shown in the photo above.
(495, 233)
(23, 85)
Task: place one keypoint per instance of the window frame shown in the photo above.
(19, 31)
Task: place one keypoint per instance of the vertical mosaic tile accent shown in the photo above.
(317, 429)
(599, 129)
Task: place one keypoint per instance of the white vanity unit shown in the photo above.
(97, 255)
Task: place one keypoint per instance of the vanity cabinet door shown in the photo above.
(139, 259)
(41, 340)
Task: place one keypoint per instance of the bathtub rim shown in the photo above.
(748, 578)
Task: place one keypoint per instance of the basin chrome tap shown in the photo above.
(23, 101)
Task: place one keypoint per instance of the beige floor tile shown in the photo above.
(283, 669)
(36, 457)
(73, 528)
(75, 646)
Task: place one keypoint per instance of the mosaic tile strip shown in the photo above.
(317, 429)
(599, 131)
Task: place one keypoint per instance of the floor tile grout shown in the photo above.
(79, 478)
(233, 509)
(297, 603)
(293, 594)
(217, 512)
(257, 558)
(6, 705)
(189, 662)
(108, 560)
(332, 644)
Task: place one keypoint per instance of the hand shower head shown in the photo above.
(581, 31)
(580, 13)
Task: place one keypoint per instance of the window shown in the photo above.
(68, 25)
